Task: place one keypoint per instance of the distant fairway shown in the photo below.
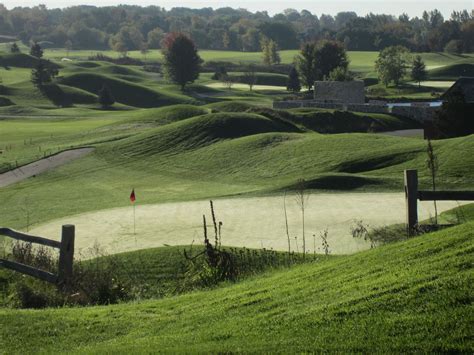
(251, 222)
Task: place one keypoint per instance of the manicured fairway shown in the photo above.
(251, 222)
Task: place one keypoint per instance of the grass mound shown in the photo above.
(124, 92)
(63, 95)
(4, 101)
(230, 106)
(87, 64)
(18, 60)
(165, 115)
(198, 132)
(452, 72)
(333, 121)
(412, 296)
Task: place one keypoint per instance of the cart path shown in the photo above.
(42, 165)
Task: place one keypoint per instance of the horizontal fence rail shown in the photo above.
(66, 255)
(412, 195)
(29, 270)
(446, 195)
(29, 238)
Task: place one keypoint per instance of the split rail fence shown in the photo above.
(66, 255)
(412, 195)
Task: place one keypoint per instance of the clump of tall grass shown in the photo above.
(213, 263)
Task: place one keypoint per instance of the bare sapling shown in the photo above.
(432, 164)
(301, 200)
(286, 225)
(216, 228)
(324, 240)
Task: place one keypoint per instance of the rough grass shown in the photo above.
(412, 296)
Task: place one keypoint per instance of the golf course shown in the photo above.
(290, 184)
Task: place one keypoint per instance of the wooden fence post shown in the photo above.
(411, 199)
(66, 254)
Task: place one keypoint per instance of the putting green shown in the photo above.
(251, 222)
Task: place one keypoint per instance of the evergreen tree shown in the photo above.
(106, 99)
(418, 70)
(181, 59)
(293, 81)
(36, 50)
(40, 74)
(14, 48)
(306, 64)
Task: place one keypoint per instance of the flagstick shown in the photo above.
(134, 229)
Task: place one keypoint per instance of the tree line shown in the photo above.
(125, 28)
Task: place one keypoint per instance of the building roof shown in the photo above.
(466, 85)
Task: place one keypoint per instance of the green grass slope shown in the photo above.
(18, 60)
(214, 155)
(124, 91)
(452, 72)
(412, 296)
(197, 132)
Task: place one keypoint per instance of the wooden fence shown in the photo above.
(412, 195)
(66, 255)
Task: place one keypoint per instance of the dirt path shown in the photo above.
(40, 166)
(252, 222)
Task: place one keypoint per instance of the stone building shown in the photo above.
(345, 92)
(466, 86)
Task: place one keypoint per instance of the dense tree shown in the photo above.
(306, 64)
(392, 64)
(270, 52)
(36, 50)
(340, 74)
(127, 39)
(154, 38)
(44, 72)
(454, 119)
(454, 47)
(14, 48)
(294, 84)
(90, 27)
(181, 59)
(106, 99)
(418, 70)
(328, 56)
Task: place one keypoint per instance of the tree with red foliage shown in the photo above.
(181, 59)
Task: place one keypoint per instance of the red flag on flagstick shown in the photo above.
(132, 196)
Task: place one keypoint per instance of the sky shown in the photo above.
(362, 7)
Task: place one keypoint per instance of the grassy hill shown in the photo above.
(124, 91)
(412, 296)
(210, 155)
(452, 72)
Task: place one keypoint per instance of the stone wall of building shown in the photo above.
(420, 113)
(351, 92)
